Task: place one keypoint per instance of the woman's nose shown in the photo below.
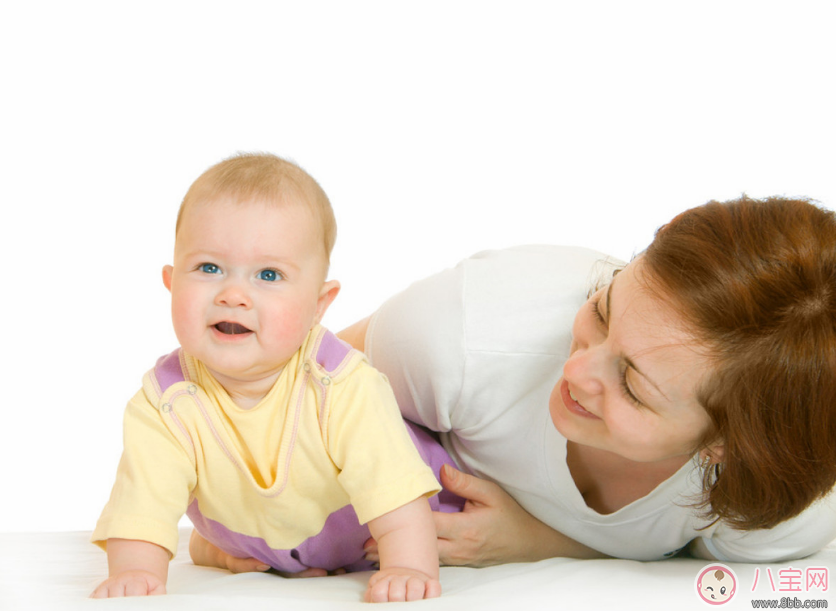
(584, 371)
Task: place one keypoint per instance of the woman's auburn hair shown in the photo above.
(756, 281)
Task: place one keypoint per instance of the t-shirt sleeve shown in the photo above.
(417, 340)
(380, 469)
(796, 538)
(154, 480)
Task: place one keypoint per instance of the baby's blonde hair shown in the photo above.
(267, 178)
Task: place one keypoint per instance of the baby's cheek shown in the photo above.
(291, 324)
(182, 317)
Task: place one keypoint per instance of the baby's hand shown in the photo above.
(130, 583)
(396, 584)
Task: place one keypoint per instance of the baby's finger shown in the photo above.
(99, 592)
(378, 592)
(157, 591)
(415, 589)
(116, 590)
(397, 589)
(432, 589)
(135, 588)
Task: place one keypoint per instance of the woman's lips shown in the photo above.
(572, 405)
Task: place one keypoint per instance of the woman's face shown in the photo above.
(629, 386)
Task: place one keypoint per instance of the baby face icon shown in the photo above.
(716, 584)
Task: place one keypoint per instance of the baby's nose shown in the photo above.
(233, 295)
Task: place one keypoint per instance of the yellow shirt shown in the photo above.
(328, 434)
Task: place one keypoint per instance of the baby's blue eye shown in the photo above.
(209, 268)
(270, 275)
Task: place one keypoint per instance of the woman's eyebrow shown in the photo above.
(626, 358)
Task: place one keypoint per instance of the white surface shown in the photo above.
(438, 129)
(57, 571)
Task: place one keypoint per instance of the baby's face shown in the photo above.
(246, 286)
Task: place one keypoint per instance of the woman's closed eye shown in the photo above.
(625, 389)
(596, 312)
(622, 375)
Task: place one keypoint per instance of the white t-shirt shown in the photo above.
(474, 352)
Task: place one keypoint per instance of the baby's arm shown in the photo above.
(408, 554)
(136, 568)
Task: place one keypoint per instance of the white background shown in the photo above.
(437, 128)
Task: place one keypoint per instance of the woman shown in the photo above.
(690, 403)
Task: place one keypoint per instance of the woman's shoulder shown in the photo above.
(518, 300)
(514, 301)
(524, 299)
(562, 259)
(537, 276)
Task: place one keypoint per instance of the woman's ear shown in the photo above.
(167, 271)
(327, 294)
(714, 453)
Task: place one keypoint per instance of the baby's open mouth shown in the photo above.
(231, 328)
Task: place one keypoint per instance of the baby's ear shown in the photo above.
(167, 271)
(327, 295)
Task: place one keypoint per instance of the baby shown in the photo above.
(277, 439)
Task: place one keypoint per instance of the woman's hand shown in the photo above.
(493, 528)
